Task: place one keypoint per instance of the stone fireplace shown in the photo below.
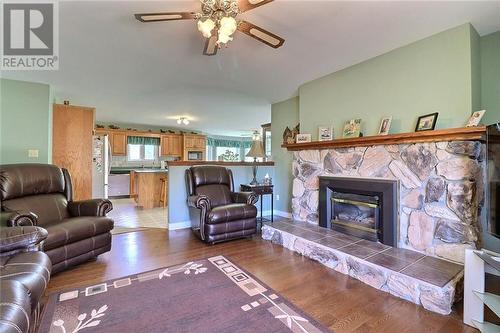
(440, 198)
(360, 207)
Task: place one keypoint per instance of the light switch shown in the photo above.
(33, 153)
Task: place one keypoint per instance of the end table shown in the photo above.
(260, 190)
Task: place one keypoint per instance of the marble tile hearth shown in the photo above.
(421, 279)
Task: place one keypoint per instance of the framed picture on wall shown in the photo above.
(385, 126)
(301, 138)
(325, 133)
(427, 122)
(475, 119)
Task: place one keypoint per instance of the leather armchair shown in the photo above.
(217, 212)
(24, 275)
(42, 195)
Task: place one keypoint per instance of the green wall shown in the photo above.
(283, 114)
(431, 75)
(25, 122)
(490, 77)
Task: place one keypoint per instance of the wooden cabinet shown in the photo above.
(192, 141)
(171, 145)
(72, 143)
(119, 143)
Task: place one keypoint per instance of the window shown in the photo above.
(139, 152)
(229, 153)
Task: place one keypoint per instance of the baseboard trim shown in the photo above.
(179, 225)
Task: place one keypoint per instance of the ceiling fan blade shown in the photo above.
(246, 5)
(168, 16)
(260, 34)
(211, 45)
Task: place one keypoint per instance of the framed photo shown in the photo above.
(427, 122)
(352, 128)
(475, 119)
(385, 126)
(325, 133)
(301, 138)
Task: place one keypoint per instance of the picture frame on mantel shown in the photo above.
(426, 122)
(475, 118)
(325, 133)
(352, 128)
(385, 126)
(301, 138)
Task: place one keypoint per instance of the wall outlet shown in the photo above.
(277, 197)
(33, 153)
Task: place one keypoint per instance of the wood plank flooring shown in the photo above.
(336, 300)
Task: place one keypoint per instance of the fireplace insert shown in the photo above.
(356, 214)
(361, 207)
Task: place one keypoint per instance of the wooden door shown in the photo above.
(200, 142)
(119, 144)
(72, 144)
(176, 145)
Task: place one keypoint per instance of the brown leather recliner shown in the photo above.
(217, 212)
(41, 195)
(24, 275)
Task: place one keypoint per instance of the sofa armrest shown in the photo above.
(93, 207)
(249, 198)
(199, 201)
(18, 218)
(17, 239)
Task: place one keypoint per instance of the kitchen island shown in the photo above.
(146, 187)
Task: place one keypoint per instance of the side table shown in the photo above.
(260, 190)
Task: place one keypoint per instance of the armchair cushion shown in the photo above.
(18, 218)
(48, 208)
(16, 308)
(74, 229)
(20, 239)
(219, 194)
(231, 212)
(94, 207)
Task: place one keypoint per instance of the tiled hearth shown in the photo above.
(410, 275)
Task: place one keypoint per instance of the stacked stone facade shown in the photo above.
(441, 189)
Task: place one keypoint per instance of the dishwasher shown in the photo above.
(119, 185)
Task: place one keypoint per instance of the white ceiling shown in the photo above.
(141, 73)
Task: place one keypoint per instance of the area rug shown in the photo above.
(208, 295)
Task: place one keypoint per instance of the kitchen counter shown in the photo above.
(124, 170)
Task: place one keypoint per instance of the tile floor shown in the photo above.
(429, 269)
(127, 215)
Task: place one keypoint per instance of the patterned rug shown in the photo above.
(208, 295)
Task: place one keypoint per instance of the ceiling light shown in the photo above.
(205, 27)
(183, 120)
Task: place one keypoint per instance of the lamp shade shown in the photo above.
(257, 150)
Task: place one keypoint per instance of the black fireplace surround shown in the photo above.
(385, 190)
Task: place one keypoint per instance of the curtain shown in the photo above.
(143, 140)
(216, 142)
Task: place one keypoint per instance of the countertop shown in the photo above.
(125, 170)
(190, 163)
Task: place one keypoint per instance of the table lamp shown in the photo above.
(256, 151)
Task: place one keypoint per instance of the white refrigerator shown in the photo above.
(101, 166)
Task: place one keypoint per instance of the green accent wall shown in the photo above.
(283, 114)
(490, 77)
(434, 74)
(25, 122)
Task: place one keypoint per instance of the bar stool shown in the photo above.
(163, 192)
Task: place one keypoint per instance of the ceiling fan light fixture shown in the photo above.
(228, 25)
(185, 121)
(205, 26)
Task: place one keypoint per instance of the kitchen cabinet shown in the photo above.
(171, 145)
(196, 144)
(72, 129)
(119, 143)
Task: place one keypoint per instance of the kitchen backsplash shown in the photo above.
(122, 162)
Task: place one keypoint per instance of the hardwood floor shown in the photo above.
(336, 300)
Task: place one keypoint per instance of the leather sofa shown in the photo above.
(42, 195)
(24, 274)
(217, 212)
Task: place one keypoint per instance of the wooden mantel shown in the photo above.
(450, 134)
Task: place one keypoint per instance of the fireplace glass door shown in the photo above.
(356, 214)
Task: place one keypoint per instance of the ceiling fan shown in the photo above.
(217, 22)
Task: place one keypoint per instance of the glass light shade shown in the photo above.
(228, 25)
(185, 121)
(179, 121)
(206, 27)
(223, 38)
